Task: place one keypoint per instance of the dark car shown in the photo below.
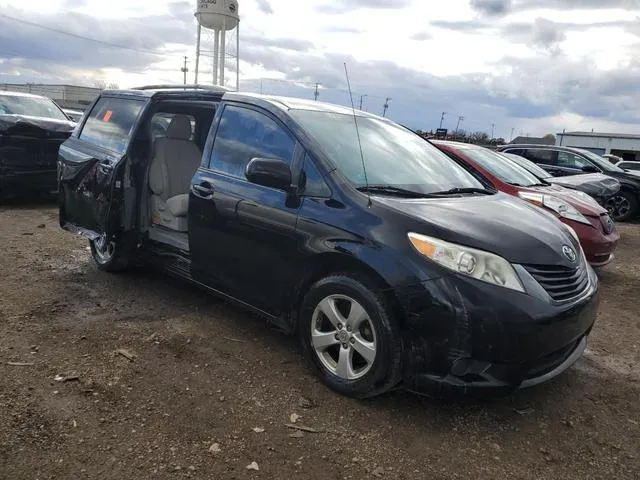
(596, 231)
(391, 262)
(598, 186)
(562, 161)
(32, 128)
(630, 166)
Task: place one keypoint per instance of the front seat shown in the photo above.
(175, 160)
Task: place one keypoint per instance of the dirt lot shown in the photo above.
(211, 389)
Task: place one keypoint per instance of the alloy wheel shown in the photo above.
(104, 249)
(620, 206)
(343, 337)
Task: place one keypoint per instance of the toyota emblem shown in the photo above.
(570, 253)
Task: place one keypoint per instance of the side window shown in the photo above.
(570, 160)
(244, 134)
(546, 157)
(516, 151)
(311, 182)
(160, 123)
(111, 122)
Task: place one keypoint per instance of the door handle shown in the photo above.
(204, 191)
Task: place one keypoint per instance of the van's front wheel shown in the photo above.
(108, 254)
(348, 334)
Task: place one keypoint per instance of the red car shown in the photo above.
(596, 231)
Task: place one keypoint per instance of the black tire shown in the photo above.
(630, 202)
(385, 370)
(113, 259)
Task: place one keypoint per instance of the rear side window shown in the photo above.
(160, 123)
(547, 157)
(571, 160)
(244, 134)
(111, 122)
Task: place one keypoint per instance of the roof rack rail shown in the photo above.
(211, 88)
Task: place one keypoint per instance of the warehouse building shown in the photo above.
(67, 96)
(622, 145)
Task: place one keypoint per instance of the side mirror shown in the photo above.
(590, 169)
(269, 172)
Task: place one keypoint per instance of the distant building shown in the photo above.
(620, 144)
(67, 96)
(534, 140)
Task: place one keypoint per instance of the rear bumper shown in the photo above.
(463, 337)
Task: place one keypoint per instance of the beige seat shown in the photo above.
(175, 160)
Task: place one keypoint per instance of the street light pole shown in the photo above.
(184, 70)
(386, 106)
(361, 97)
(442, 118)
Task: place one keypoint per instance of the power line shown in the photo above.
(95, 40)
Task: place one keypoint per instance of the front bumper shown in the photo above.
(28, 182)
(464, 336)
(598, 245)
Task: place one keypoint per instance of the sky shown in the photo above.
(514, 67)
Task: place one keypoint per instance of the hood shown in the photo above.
(594, 184)
(10, 122)
(586, 206)
(501, 224)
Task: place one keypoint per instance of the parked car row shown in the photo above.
(595, 229)
(394, 263)
(563, 161)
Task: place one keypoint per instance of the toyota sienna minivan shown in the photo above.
(392, 263)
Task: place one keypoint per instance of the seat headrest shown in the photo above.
(179, 128)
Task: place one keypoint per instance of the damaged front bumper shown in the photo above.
(463, 336)
(29, 154)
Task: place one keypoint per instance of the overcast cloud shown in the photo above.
(529, 67)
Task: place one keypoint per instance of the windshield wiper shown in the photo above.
(391, 190)
(458, 190)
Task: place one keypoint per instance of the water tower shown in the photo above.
(216, 18)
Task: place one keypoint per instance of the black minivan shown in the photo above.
(393, 264)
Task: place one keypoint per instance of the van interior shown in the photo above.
(177, 133)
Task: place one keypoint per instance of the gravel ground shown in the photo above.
(142, 376)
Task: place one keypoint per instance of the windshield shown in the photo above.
(501, 167)
(393, 156)
(30, 106)
(600, 162)
(528, 165)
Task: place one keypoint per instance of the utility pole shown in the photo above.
(260, 86)
(493, 128)
(361, 97)
(460, 119)
(386, 106)
(442, 118)
(316, 93)
(184, 70)
(512, 130)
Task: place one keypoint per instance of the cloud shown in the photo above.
(421, 36)
(504, 7)
(491, 7)
(343, 6)
(264, 6)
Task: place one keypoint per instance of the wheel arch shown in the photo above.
(333, 263)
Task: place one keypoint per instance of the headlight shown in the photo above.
(473, 263)
(561, 207)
